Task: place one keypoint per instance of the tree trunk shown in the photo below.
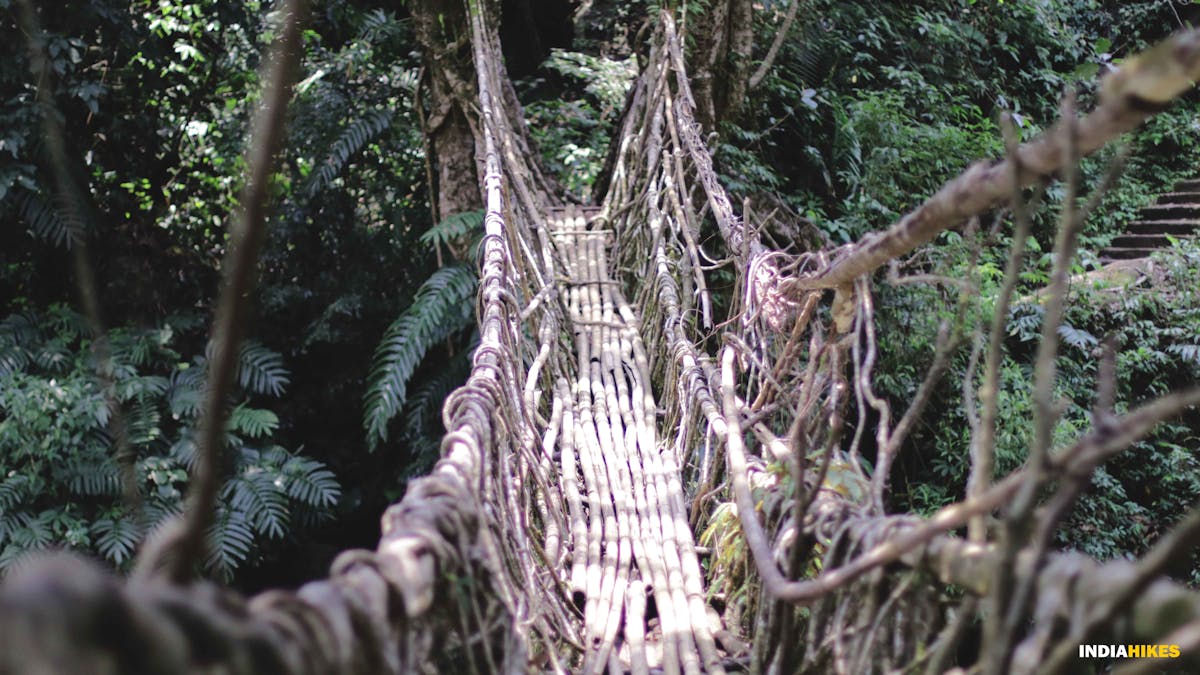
(441, 28)
(723, 40)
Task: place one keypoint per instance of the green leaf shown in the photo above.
(47, 222)
(310, 483)
(422, 423)
(259, 495)
(261, 370)
(14, 489)
(116, 539)
(95, 478)
(1078, 338)
(184, 393)
(454, 228)
(253, 422)
(353, 139)
(442, 305)
(230, 540)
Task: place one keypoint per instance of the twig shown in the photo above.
(1009, 602)
(75, 205)
(948, 339)
(1080, 458)
(1186, 638)
(1182, 538)
(947, 642)
(780, 35)
(983, 443)
(247, 232)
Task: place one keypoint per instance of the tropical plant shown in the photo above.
(573, 126)
(1155, 328)
(60, 479)
(443, 306)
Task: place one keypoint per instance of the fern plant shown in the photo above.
(1154, 326)
(455, 230)
(60, 484)
(422, 427)
(43, 220)
(352, 140)
(442, 306)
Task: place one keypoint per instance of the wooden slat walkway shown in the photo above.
(634, 569)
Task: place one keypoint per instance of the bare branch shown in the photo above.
(1081, 458)
(1179, 541)
(984, 441)
(76, 210)
(780, 35)
(247, 231)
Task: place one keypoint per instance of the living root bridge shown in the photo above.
(595, 432)
(639, 544)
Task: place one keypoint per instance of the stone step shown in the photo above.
(1170, 211)
(1140, 241)
(1174, 214)
(1178, 198)
(1178, 226)
(1126, 253)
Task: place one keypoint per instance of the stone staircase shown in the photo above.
(1176, 213)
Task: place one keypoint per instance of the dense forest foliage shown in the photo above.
(363, 318)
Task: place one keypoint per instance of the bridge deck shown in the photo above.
(634, 570)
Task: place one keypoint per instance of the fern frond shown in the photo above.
(441, 306)
(230, 540)
(54, 355)
(143, 422)
(20, 329)
(453, 228)
(378, 25)
(326, 327)
(31, 533)
(8, 523)
(310, 483)
(158, 509)
(353, 139)
(45, 221)
(183, 450)
(261, 370)
(1186, 352)
(426, 401)
(813, 59)
(141, 387)
(18, 334)
(260, 496)
(1077, 337)
(116, 539)
(96, 478)
(253, 422)
(14, 490)
(423, 408)
(13, 359)
(67, 323)
(410, 81)
(184, 393)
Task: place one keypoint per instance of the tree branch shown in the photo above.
(780, 35)
(247, 232)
